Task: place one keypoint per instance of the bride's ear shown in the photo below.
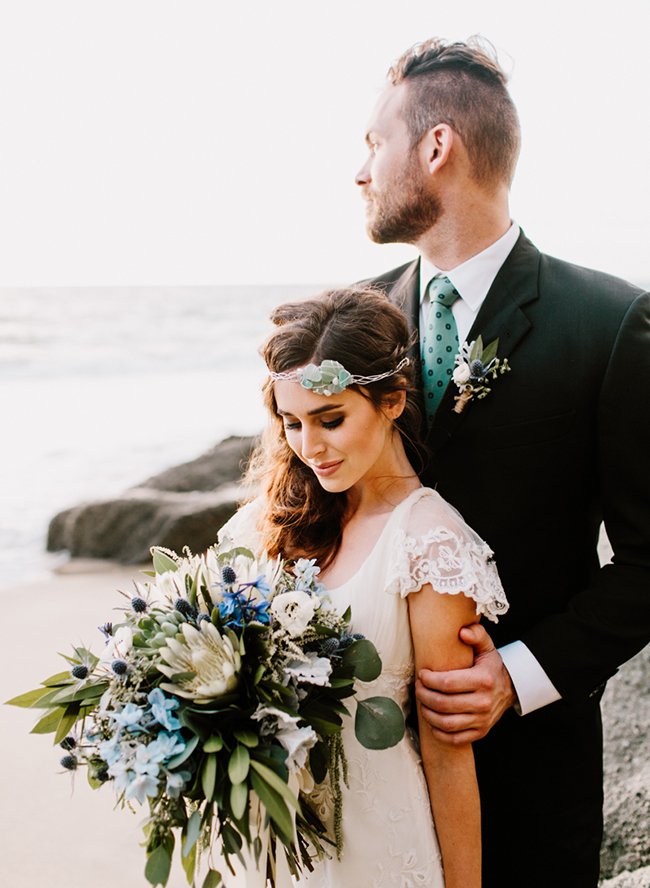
(394, 404)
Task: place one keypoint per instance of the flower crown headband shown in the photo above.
(331, 378)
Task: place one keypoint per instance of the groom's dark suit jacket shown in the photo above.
(561, 442)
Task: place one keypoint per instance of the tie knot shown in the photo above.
(442, 290)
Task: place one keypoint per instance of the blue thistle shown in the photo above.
(329, 647)
(119, 667)
(138, 604)
(68, 743)
(477, 369)
(228, 575)
(79, 672)
(69, 762)
(107, 630)
(183, 607)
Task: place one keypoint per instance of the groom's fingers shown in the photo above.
(462, 705)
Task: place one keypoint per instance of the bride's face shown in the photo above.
(344, 439)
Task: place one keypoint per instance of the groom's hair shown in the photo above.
(462, 85)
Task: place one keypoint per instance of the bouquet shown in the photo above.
(217, 700)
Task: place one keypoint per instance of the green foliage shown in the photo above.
(162, 563)
(158, 866)
(238, 764)
(212, 879)
(379, 723)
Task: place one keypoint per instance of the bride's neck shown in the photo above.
(382, 493)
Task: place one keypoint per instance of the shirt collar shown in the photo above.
(474, 277)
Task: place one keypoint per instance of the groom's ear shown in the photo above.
(436, 147)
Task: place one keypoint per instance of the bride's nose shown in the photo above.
(312, 442)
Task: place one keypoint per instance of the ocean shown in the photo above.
(103, 387)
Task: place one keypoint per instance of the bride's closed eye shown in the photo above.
(329, 424)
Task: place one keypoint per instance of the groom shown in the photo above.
(559, 443)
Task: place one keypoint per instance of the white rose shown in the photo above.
(461, 374)
(294, 610)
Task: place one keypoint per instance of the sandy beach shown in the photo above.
(50, 835)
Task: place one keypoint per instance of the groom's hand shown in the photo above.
(462, 705)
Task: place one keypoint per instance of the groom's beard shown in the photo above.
(403, 211)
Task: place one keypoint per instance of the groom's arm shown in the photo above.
(609, 622)
(606, 624)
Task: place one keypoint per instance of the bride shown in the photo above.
(336, 484)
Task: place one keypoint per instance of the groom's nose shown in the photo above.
(363, 176)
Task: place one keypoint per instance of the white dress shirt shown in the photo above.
(472, 279)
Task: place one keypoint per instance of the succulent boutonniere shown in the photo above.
(475, 365)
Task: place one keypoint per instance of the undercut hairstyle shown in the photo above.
(462, 85)
(368, 335)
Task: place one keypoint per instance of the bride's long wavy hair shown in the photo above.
(368, 335)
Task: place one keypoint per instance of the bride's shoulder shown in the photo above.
(428, 511)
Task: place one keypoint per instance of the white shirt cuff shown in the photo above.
(532, 685)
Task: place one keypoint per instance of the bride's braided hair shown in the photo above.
(368, 335)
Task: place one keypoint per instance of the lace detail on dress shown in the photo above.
(450, 564)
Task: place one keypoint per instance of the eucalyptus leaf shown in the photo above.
(238, 764)
(162, 563)
(363, 657)
(212, 879)
(238, 799)
(159, 864)
(379, 723)
(185, 754)
(209, 775)
(29, 699)
(191, 832)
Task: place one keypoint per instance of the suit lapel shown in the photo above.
(405, 294)
(501, 316)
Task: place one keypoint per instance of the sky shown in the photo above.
(203, 142)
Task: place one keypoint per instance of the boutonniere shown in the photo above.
(475, 365)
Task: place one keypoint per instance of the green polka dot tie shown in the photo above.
(440, 343)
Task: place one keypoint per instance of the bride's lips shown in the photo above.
(325, 469)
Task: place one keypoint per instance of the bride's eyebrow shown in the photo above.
(318, 410)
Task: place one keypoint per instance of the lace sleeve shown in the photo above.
(453, 559)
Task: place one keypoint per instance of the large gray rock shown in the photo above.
(223, 464)
(183, 506)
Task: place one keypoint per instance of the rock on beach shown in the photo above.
(182, 506)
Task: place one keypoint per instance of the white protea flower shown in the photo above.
(209, 655)
(294, 610)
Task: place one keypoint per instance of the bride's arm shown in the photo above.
(436, 620)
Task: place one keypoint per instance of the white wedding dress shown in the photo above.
(389, 839)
